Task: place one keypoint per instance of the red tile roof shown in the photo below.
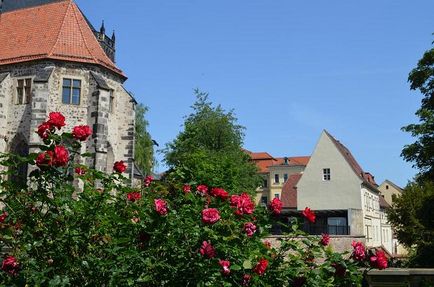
(366, 177)
(53, 31)
(264, 160)
(289, 191)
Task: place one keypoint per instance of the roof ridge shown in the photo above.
(60, 29)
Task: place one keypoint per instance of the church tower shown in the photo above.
(53, 59)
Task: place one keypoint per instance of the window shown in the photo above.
(337, 225)
(276, 195)
(71, 91)
(276, 178)
(24, 91)
(264, 200)
(285, 177)
(326, 174)
(264, 183)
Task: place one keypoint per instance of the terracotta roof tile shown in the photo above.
(289, 191)
(51, 31)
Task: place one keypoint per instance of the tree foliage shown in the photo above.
(421, 152)
(144, 147)
(209, 149)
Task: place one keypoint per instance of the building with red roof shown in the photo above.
(53, 59)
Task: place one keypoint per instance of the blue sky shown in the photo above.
(289, 69)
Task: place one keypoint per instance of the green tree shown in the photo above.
(421, 152)
(144, 147)
(209, 149)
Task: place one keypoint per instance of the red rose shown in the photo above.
(325, 239)
(225, 266)
(119, 166)
(80, 171)
(148, 180)
(210, 215)
(275, 206)
(61, 156)
(186, 188)
(242, 203)
(202, 189)
(359, 251)
(261, 266)
(134, 196)
(10, 265)
(44, 130)
(81, 133)
(246, 280)
(309, 214)
(45, 159)
(379, 260)
(220, 193)
(160, 206)
(3, 216)
(207, 249)
(56, 119)
(249, 228)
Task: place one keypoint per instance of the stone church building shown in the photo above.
(53, 59)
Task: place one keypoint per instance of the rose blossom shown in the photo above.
(61, 156)
(160, 206)
(210, 215)
(242, 203)
(3, 216)
(275, 206)
(220, 193)
(379, 260)
(203, 189)
(359, 251)
(186, 188)
(45, 159)
(81, 133)
(225, 265)
(207, 249)
(56, 119)
(261, 266)
(309, 214)
(249, 228)
(325, 239)
(134, 196)
(10, 265)
(119, 166)
(246, 279)
(148, 180)
(44, 130)
(80, 170)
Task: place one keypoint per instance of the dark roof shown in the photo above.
(366, 177)
(102, 84)
(3, 76)
(42, 76)
(11, 5)
(289, 191)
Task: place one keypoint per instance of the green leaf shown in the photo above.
(247, 264)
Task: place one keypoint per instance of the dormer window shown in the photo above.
(24, 91)
(71, 91)
(326, 174)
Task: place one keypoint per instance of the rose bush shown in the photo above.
(74, 226)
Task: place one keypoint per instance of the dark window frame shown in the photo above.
(69, 91)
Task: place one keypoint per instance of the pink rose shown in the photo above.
(202, 189)
(3, 217)
(275, 206)
(207, 249)
(10, 265)
(249, 228)
(225, 266)
(44, 130)
(186, 188)
(261, 266)
(148, 180)
(379, 260)
(242, 203)
(309, 214)
(359, 251)
(210, 215)
(160, 206)
(220, 193)
(56, 119)
(61, 156)
(81, 133)
(119, 166)
(325, 239)
(134, 196)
